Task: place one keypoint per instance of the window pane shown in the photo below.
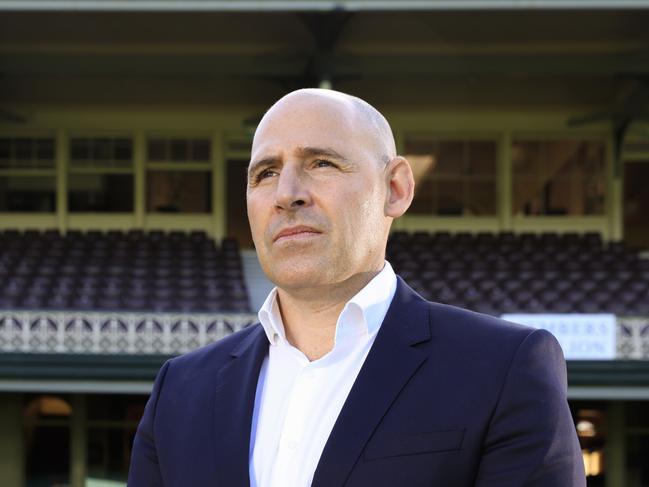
(636, 204)
(450, 197)
(200, 150)
(25, 193)
(47, 455)
(24, 149)
(453, 177)
(26, 153)
(591, 424)
(179, 150)
(527, 198)
(482, 158)
(5, 150)
(450, 158)
(636, 461)
(115, 407)
(100, 192)
(109, 452)
(559, 177)
(45, 149)
(239, 145)
(123, 149)
(47, 447)
(525, 157)
(157, 149)
(101, 152)
(422, 204)
(636, 414)
(47, 407)
(80, 149)
(480, 199)
(101, 149)
(179, 191)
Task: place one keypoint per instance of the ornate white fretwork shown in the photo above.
(633, 338)
(169, 333)
(114, 333)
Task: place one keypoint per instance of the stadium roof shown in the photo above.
(315, 5)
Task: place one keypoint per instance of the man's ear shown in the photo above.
(401, 187)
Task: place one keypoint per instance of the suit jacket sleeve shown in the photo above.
(531, 439)
(144, 470)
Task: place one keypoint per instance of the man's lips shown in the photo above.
(298, 230)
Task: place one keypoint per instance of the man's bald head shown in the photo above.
(365, 120)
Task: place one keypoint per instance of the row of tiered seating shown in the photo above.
(532, 273)
(113, 271)
(187, 272)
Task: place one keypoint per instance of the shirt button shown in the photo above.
(292, 445)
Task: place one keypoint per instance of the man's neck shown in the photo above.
(310, 315)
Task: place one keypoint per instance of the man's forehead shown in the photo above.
(290, 127)
(322, 118)
(290, 111)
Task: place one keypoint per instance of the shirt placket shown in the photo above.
(290, 453)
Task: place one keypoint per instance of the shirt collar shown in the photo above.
(363, 313)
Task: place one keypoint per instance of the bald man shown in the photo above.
(350, 377)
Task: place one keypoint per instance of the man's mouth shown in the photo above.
(297, 232)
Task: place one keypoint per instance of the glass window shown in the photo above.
(179, 191)
(561, 177)
(26, 152)
(178, 150)
(453, 177)
(102, 152)
(124, 407)
(636, 204)
(100, 192)
(591, 423)
(637, 470)
(239, 145)
(237, 219)
(28, 193)
(112, 422)
(47, 440)
(108, 455)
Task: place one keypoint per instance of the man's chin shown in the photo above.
(298, 278)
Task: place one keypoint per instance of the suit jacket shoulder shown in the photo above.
(208, 359)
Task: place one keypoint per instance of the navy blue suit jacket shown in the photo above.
(446, 398)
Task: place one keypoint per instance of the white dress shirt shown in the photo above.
(297, 401)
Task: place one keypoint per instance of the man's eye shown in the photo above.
(324, 163)
(264, 174)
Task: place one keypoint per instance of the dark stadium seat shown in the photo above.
(527, 272)
(187, 271)
(113, 270)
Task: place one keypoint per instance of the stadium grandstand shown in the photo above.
(125, 132)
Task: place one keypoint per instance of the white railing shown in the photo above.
(114, 333)
(174, 333)
(632, 338)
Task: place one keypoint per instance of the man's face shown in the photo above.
(316, 194)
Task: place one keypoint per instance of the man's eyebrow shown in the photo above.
(266, 161)
(302, 152)
(320, 151)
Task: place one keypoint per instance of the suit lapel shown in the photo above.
(389, 365)
(233, 406)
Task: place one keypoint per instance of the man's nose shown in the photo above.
(291, 191)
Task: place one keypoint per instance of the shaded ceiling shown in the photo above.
(494, 58)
